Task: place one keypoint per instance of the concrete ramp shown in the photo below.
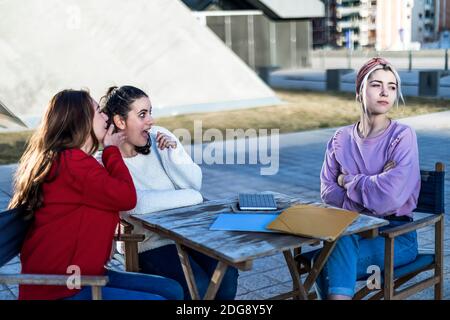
(157, 45)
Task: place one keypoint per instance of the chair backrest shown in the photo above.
(431, 196)
(14, 225)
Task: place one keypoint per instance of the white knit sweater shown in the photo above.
(164, 179)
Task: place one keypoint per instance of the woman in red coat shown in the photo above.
(76, 203)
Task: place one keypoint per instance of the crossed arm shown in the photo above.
(381, 193)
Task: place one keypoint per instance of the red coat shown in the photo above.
(78, 219)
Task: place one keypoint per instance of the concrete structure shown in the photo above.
(274, 9)
(259, 41)
(262, 32)
(437, 85)
(49, 45)
(7, 118)
(293, 9)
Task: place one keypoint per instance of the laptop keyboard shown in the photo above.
(257, 201)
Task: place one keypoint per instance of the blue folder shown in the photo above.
(254, 222)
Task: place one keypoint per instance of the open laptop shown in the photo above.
(257, 201)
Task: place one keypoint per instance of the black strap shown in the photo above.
(393, 217)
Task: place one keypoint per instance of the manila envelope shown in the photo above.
(315, 222)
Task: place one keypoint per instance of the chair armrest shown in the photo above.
(411, 226)
(126, 225)
(52, 280)
(126, 237)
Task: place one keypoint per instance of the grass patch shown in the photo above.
(12, 145)
(303, 110)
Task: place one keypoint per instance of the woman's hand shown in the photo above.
(340, 180)
(389, 165)
(164, 141)
(113, 139)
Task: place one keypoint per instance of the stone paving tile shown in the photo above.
(14, 290)
(14, 260)
(7, 295)
(428, 293)
(13, 287)
(281, 274)
(274, 290)
(250, 296)
(11, 268)
(257, 281)
(426, 247)
(241, 290)
(4, 204)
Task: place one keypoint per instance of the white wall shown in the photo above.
(49, 45)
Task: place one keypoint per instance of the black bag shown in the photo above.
(14, 225)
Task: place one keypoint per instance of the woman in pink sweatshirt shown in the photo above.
(371, 167)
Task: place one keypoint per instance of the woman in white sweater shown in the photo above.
(165, 177)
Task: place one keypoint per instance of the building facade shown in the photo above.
(424, 21)
(379, 24)
(442, 14)
(393, 24)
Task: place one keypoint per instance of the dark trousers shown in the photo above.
(164, 261)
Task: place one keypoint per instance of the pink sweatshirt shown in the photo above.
(367, 188)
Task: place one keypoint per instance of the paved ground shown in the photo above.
(301, 156)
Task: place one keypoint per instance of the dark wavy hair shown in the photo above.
(118, 101)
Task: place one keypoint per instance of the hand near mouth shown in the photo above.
(164, 141)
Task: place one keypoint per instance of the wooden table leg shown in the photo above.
(96, 293)
(318, 264)
(187, 270)
(216, 280)
(296, 281)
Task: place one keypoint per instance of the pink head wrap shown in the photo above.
(369, 65)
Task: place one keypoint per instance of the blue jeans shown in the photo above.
(352, 256)
(134, 286)
(164, 261)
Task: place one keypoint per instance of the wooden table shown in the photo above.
(189, 227)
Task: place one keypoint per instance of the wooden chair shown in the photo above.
(14, 225)
(431, 206)
(129, 258)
